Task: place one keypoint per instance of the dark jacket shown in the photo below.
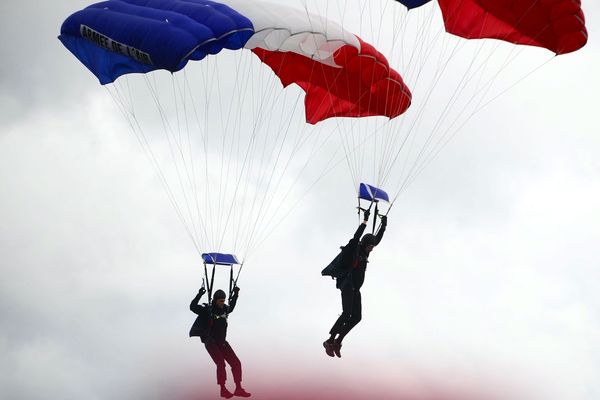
(354, 259)
(211, 322)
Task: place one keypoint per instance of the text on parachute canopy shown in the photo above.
(114, 46)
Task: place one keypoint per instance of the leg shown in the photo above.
(355, 316)
(347, 308)
(236, 369)
(342, 325)
(217, 355)
(234, 362)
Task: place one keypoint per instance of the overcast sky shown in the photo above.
(484, 286)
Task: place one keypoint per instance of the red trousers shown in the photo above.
(221, 352)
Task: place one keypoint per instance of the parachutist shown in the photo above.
(349, 269)
(211, 327)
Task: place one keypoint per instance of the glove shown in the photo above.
(367, 214)
(201, 291)
(384, 220)
(236, 290)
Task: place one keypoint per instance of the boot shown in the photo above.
(328, 348)
(240, 392)
(337, 347)
(225, 393)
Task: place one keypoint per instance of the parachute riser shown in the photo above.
(210, 282)
(360, 208)
(376, 212)
(233, 282)
(375, 216)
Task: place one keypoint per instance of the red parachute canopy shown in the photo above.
(363, 85)
(558, 25)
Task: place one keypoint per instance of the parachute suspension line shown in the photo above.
(183, 95)
(356, 136)
(449, 105)
(208, 94)
(273, 224)
(352, 138)
(450, 132)
(422, 51)
(129, 114)
(349, 141)
(418, 51)
(187, 92)
(263, 183)
(443, 139)
(233, 282)
(203, 129)
(481, 107)
(468, 118)
(263, 187)
(221, 232)
(297, 145)
(485, 88)
(439, 72)
(390, 138)
(168, 133)
(247, 162)
(386, 136)
(262, 206)
(352, 168)
(379, 155)
(250, 165)
(184, 90)
(239, 92)
(235, 128)
(362, 154)
(210, 69)
(324, 173)
(244, 89)
(421, 110)
(186, 165)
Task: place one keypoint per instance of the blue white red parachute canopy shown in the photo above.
(341, 75)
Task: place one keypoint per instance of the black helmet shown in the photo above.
(219, 294)
(368, 239)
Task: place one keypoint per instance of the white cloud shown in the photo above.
(487, 272)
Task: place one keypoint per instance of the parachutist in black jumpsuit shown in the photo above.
(211, 327)
(354, 259)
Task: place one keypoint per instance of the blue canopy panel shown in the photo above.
(410, 4)
(220, 259)
(118, 37)
(371, 193)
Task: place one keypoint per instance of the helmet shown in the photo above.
(368, 239)
(219, 294)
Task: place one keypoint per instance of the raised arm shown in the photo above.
(194, 306)
(381, 230)
(233, 300)
(349, 249)
(360, 230)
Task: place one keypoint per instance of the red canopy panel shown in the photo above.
(363, 85)
(558, 25)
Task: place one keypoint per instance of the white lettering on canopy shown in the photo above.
(112, 45)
